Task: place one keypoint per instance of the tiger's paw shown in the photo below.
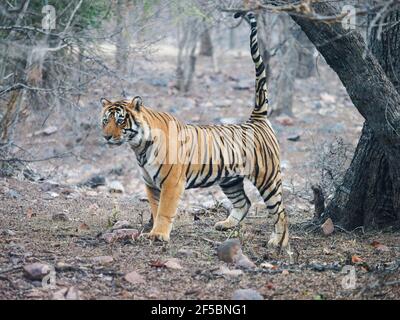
(156, 236)
(276, 241)
(227, 224)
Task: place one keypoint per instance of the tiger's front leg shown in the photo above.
(171, 192)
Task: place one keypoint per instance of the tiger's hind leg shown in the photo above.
(234, 190)
(271, 192)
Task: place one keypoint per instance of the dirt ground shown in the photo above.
(30, 231)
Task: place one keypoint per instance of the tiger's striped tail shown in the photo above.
(261, 101)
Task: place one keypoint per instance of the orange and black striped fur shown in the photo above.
(174, 156)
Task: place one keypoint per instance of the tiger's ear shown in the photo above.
(137, 103)
(105, 102)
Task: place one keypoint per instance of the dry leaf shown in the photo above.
(356, 259)
(379, 246)
(157, 264)
(84, 226)
(270, 286)
(29, 213)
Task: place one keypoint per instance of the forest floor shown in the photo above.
(50, 213)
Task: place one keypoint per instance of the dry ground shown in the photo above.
(36, 237)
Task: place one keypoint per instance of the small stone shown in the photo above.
(225, 271)
(185, 252)
(121, 224)
(244, 262)
(328, 227)
(50, 195)
(115, 187)
(48, 186)
(285, 120)
(134, 278)
(13, 194)
(285, 272)
(60, 216)
(93, 182)
(228, 250)
(103, 259)
(173, 263)
(267, 265)
(121, 234)
(70, 293)
(246, 294)
(36, 271)
(294, 137)
(46, 131)
(7, 232)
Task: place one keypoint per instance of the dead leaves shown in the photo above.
(379, 246)
(356, 259)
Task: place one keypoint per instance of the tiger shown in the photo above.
(174, 156)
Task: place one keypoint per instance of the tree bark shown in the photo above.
(368, 199)
(370, 193)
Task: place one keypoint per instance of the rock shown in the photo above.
(285, 272)
(46, 131)
(173, 263)
(70, 293)
(294, 137)
(185, 252)
(244, 262)
(121, 234)
(228, 250)
(60, 216)
(93, 182)
(48, 186)
(285, 120)
(115, 187)
(134, 278)
(36, 271)
(246, 294)
(328, 227)
(225, 271)
(13, 194)
(31, 175)
(50, 195)
(7, 232)
(267, 265)
(103, 259)
(121, 224)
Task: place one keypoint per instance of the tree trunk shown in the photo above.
(368, 199)
(206, 46)
(370, 193)
(121, 52)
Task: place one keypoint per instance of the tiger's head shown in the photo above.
(123, 121)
